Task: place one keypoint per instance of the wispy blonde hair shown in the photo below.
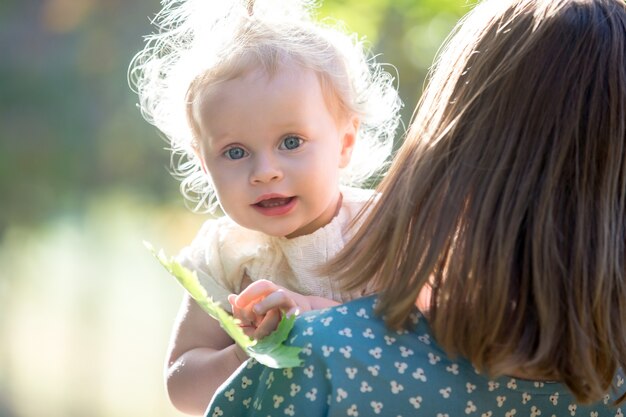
(508, 196)
(202, 42)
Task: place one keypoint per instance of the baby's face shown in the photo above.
(274, 150)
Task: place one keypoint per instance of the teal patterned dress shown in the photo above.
(355, 366)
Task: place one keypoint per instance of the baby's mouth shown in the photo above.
(274, 202)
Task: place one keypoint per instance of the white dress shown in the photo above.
(223, 253)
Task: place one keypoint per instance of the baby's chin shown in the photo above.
(273, 227)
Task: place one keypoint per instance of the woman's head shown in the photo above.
(202, 44)
(509, 195)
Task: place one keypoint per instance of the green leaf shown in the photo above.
(273, 352)
(270, 351)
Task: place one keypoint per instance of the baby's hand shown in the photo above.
(260, 306)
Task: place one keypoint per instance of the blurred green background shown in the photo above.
(85, 312)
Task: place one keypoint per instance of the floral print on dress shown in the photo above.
(355, 366)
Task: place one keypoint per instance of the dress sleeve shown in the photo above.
(256, 390)
(203, 255)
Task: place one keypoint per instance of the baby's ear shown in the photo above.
(195, 145)
(348, 139)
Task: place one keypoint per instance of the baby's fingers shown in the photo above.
(277, 300)
(245, 316)
(254, 291)
(268, 324)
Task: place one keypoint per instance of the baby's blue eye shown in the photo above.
(235, 153)
(291, 142)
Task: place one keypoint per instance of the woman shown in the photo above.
(499, 245)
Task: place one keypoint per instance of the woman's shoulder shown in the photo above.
(351, 359)
(402, 370)
(355, 313)
(352, 327)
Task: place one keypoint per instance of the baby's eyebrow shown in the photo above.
(222, 140)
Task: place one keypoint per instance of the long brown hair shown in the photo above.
(508, 196)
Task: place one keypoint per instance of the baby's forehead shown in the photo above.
(291, 100)
(289, 79)
(254, 67)
(287, 69)
(300, 79)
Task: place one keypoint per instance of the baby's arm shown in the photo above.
(262, 303)
(201, 356)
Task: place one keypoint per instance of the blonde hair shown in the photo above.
(202, 42)
(508, 196)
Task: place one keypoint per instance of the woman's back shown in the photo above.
(508, 196)
(355, 366)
